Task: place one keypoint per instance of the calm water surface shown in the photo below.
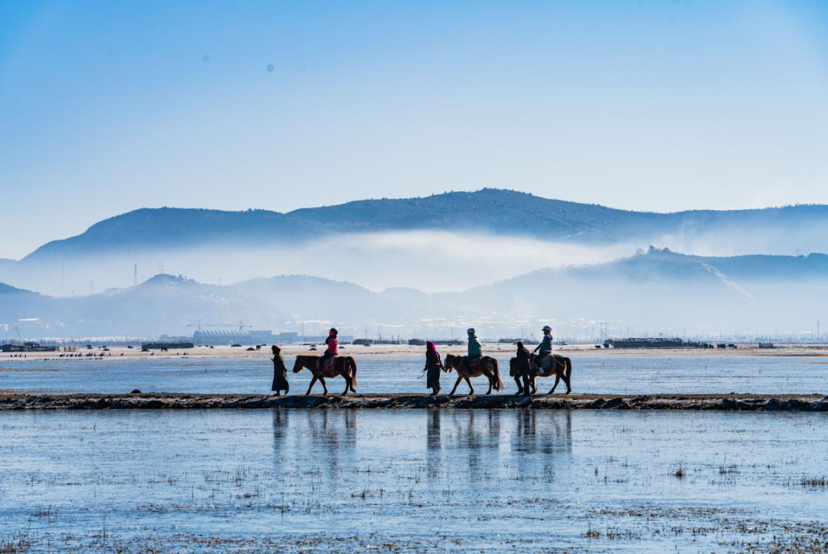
(339, 480)
(591, 374)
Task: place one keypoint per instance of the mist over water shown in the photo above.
(741, 241)
(424, 283)
(430, 261)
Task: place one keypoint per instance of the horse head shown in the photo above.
(297, 367)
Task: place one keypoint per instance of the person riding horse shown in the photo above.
(475, 350)
(523, 369)
(543, 359)
(331, 351)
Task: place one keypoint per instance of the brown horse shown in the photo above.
(561, 368)
(344, 366)
(488, 367)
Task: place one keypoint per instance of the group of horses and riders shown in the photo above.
(525, 367)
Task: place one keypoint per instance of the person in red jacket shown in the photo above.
(332, 349)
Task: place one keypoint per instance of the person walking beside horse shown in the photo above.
(280, 382)
(521, 369)
(432, 368)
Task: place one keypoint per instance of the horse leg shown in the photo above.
(459, 378)
(490, 385)
(566, 382)
(557, 379)
(471, 388)
(324, 386)
(347, 383)
(312, 383)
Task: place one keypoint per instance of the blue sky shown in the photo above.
(110, 106)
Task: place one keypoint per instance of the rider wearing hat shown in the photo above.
(475, 349)
(545, 346)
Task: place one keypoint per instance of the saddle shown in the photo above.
(544, 363)
(327, 367)
(473, 366)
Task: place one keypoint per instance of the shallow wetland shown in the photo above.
(337, 480)
(343, 480)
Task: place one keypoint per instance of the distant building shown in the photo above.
(286, 337)
(654, 343)
(27, 347)
(260, 336)
(218, 337)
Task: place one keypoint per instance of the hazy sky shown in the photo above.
(109, 106)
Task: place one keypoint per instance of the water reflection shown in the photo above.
(484, 444)
(434, 446)
(326, 437)
(543, 432)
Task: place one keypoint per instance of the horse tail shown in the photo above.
(353, 372)
(498, 385)
(568, 368)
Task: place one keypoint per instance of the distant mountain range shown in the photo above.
(656, 285)
(8, 289)
(496, 211)
(162, 304)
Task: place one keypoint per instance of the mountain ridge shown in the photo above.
(499, 211)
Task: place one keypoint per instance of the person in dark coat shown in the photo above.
(432, 368)
(280, 382)
(523, 369)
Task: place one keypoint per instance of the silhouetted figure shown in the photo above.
(280, 382)
(523, 369)
(433, 367)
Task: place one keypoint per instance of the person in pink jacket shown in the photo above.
(332, 349)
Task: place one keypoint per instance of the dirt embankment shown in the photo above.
(161, 401)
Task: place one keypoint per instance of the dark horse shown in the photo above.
(488, 367)
(561, 368)
(344, 366)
